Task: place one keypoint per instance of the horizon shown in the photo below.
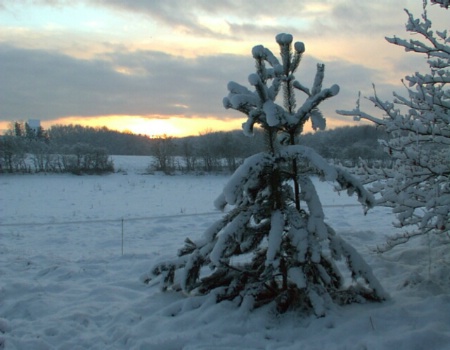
(146, 68)
(200, 133)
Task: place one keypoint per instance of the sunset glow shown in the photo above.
(153, 126)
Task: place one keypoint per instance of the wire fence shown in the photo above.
(134, 219)
(108, 236)
(96, 221)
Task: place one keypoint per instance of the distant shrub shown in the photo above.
(83, 158)
(12, 155)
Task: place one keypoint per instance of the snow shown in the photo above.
(226, 237)
(276, 229)
(284, 39)
(272, 113)
(243, 177)
(254, 79)
(65, 284)
(299, 47)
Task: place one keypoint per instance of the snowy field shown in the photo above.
(69, 281)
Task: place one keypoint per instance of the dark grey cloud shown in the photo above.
(48, 85)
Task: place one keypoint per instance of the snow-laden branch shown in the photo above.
(345, 180)
(244, 180)
(417, 187)
(443, 3)
(313, 101)
(303, 152)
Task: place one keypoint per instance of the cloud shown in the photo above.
(189, 11)
(180, 15)
(314, 18)
(47, 85)
(6, 4)
(44, 78)
(186, 16)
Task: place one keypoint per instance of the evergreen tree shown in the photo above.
(30, 133)
(274, 245)
(418, 186)
(18, 129)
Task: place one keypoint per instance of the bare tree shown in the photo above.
(163, 150)
(418, 186)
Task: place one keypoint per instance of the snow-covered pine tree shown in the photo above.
(418, 185)
(274, 244)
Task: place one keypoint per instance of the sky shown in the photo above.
(162, 67)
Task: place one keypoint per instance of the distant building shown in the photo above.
(34, 124)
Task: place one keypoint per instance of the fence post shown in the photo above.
(122, 236)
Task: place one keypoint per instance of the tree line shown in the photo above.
(81, 149)
(24, 149)
(216, 151)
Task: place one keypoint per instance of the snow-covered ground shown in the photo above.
(69, 281)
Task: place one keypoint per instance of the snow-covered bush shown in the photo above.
(418, 187)
(274, 244)
(83, 158)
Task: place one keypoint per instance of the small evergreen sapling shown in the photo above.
(274, 245)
